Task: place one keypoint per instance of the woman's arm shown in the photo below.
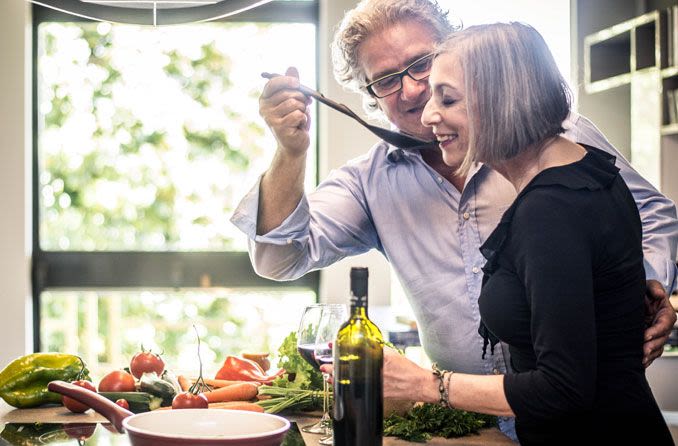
(403, 379)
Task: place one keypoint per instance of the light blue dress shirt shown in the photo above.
(392, 201)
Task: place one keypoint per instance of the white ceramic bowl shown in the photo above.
(206, 426)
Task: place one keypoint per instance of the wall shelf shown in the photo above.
(612, 55)
(642, 55)
(670, 129)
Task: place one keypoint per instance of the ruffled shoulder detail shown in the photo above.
(596, 170)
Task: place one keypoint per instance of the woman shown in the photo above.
(564, 278)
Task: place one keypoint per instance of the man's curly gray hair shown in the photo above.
(372, 16)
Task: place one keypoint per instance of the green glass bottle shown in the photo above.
(358, 373)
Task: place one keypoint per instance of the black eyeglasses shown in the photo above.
(391, 83)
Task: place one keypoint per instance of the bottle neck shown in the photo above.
(359, 309)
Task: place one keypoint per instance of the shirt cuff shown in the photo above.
(293, 229)
(661, 270)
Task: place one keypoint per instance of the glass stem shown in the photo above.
(326, 400)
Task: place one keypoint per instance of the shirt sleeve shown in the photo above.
(657, 212)
(327, 225)
(554, 261)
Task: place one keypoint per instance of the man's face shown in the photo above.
(390, 51)
(445, 112)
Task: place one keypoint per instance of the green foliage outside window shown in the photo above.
(148, 137)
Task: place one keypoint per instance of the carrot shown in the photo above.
(184, 383)
(236, 392)
(219, 383)
(238, 405)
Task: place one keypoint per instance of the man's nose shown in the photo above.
(412, 90)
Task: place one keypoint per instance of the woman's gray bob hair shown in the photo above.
(516, 97)
(370, 17)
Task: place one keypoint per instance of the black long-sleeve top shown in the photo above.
(564, 287)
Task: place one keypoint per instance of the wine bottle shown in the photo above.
(358, 373)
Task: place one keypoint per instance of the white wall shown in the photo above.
(343, 139)
(15, 313)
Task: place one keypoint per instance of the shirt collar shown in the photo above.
(393, 153)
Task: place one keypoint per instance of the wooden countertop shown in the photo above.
(58, 414)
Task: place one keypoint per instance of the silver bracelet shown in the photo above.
(447, 389)
(442, 388)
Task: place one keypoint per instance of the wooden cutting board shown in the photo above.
(55, 414)
(59, 414)
(486, 437)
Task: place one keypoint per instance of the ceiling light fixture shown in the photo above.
(151, 12)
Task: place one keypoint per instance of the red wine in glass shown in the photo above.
(308, 353)
(316, 355)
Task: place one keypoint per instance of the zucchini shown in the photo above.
(138, 401)
(153, 384)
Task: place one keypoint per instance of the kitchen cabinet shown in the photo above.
(635, 63)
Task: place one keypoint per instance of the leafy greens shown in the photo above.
(299, 374)
(425, 421)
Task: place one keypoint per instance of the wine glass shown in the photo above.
(306, 346)
(333, 316)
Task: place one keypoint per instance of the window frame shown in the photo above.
(87, 270)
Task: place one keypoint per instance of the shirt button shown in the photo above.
(475, 270)
(466, 215)
(440, 180)
(289, 241)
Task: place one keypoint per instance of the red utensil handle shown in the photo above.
(113, 413)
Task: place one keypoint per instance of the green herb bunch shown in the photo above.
(299, 374)
(425, 421)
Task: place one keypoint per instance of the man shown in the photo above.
(410, 205)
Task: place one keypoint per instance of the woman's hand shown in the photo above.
(403, 379)
(659, 318)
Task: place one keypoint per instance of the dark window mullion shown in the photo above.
(73, 270)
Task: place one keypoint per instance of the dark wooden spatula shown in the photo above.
(397, 139)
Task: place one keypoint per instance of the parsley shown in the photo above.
(299, 374)
(431, 420)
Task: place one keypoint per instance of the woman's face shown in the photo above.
(445, 111)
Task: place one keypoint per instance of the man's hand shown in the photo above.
(659, 319)
(285, 110)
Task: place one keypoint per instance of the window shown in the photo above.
(145, 140)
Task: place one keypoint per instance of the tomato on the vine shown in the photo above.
(74, 405)
(188, 400)
(117, 381)
(146, 362)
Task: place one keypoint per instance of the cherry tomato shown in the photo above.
(188, 400)
(122, 403)
(76, 406)
(80, 431)
(117, 381)
(144, 362)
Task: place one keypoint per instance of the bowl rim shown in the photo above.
(153, 433)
